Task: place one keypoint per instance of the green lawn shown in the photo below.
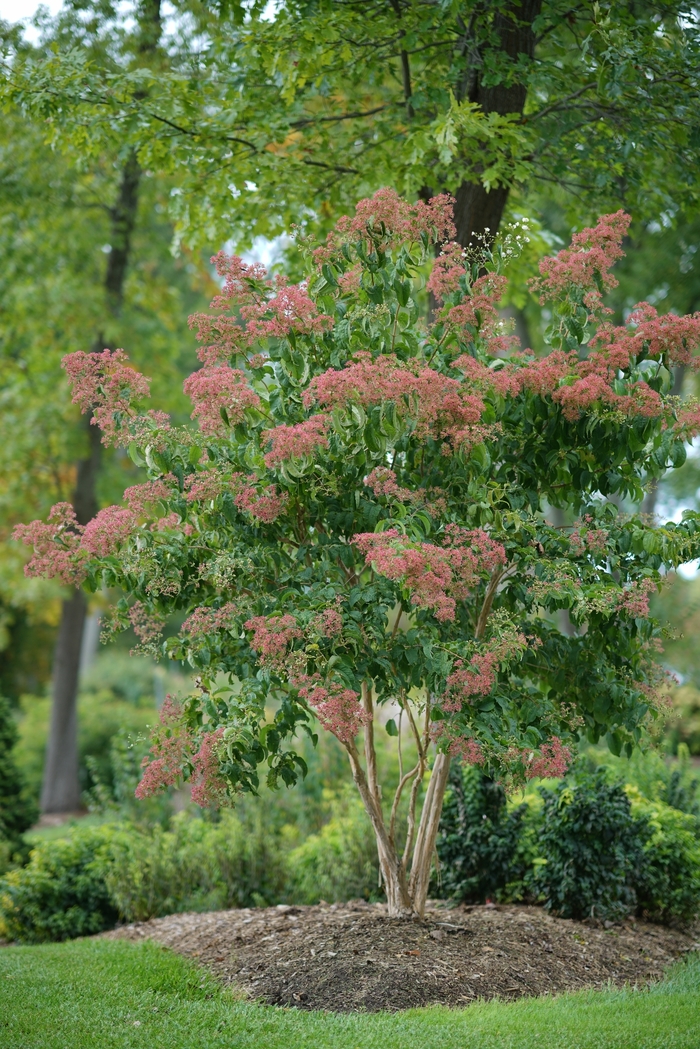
(102, 994)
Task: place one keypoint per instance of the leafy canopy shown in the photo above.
(261, 116)
(364, 513)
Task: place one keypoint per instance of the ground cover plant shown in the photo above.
(98, 993)
(362, 519)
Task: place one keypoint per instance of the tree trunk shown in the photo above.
(427, 834)
(61, 789)
(478, 211)
(393, 874)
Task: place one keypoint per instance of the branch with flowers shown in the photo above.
(359, 524)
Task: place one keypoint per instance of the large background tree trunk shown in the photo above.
(478, 211)
(61, 788)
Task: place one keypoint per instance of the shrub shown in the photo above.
(481, 845)
(340, 862)
(61, 893)
(196, 865)
(589, 848)
(17, 813)
(668, 881)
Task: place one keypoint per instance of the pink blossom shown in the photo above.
(676, 337)
(106, 532)
(56, 545)
(208, 785)
(257, 360)
(290, 310)
(105, 384)
(477, 678)
(448, 270)
(328, 623)
(436, 403)
(203, 486)
(272, 637)
(483, 380)
(141, 497)
(465, 747)
(171, 745)
(544, 375)
(337, 708)
(469, 750)
(436, 577)
(293, 442)
(264, 504)
(634, 599)
(478, 312)
(163, 524)
(552, 763)
(203, 620)
(588, 260)
(383, 481)
(386, 220)
(212, 389)
(145, 624)
(687, 425)
(584, 539)
(267, 309)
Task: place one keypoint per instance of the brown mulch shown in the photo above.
(352, 956)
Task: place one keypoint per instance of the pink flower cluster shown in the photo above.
(676, 338)
(293, 442)
(267, 309)
(328, 623)
(208, 785)
(106, 532)
(579, 385)
(592, 539)
(171, 746)
(448, 269)
(479, 311)
(104, 383)
(435, 576)
(383, 481)
(478, 676)
(212, 389)
(635, 598)
(146, 625)
(593, 251)
(386, 219)
(483, 379)
(438, 404)
(265, 504)
(465, 747)
(272, 638)
(337, 708)
(203, 486)
(551, 763)
(57, 553)
(203, 620)
(141, 497)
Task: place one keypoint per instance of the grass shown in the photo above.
(116, 994)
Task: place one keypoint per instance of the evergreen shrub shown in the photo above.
(482, 845)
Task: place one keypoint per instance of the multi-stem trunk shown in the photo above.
(405, 874)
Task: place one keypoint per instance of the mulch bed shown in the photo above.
(352, 956)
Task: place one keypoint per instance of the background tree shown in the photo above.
(362, 519)
(69, 232)
(261, 117)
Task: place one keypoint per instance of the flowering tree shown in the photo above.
(361, 519)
